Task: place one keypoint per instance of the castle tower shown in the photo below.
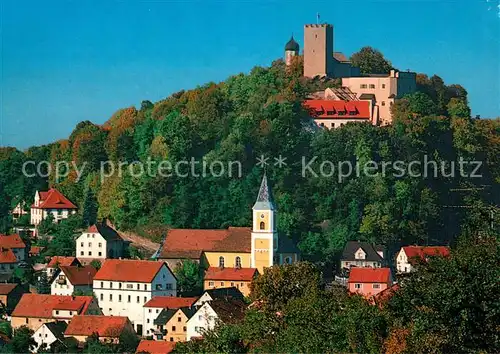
(264, 234)
(291, 49)
(318, 50)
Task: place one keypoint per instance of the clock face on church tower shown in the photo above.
(262, 216)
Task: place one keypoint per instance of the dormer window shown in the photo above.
(360, 254)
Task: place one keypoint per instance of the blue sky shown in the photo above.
(67, 61)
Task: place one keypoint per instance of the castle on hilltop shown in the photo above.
(362, 97)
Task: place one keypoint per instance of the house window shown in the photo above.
(81, 253)
(90, 244)
(110, 297)
(357, 286)
(145, 299)
(288, 260)
(211, 283)
(372, 86)
(149, 310)
(71, 313)
(168, 286)
(81, 244)
(332, 125)
(321, 124)
(179, 319)
(100, 254)
(232, 283)
(376, 286)
(119, 298)
(138, 299)
(184, 329)
(102, 284)
(130, 286)
(238, 262)
(171, 339)
(110, 285)
(145, 286)
(90, 253)
(221, 262)
(221, 283)
(242, 284)
(138, 286)
(100, 244)
(262, 225)
(383, 85)
(173, 328)
(159, 286)
(363, 86)
(102, 297)
(128, 299)
(57, 312)
(119, 285)
(383, 103)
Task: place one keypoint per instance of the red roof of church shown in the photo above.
(7, 256)
(424, 252)
(62, 261)
(11, 241)
(330, 109)
(155, 346)
(129, 270)
(104, 326)
(170, 302)
(238, 274)
(53, 199)
(41, 305)
(370, 275)
(190, 243)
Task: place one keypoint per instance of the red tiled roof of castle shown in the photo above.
(41, 305)
(6, 288)
(190, 243)
(79, 275)
(330, 109)
(11, 241)
(53, 199)
(129, 270)
(370, 275)
(170, 302)
(155, 347)
(424, 252)
(241, 274)
(7, 256)
(104, 326)
(61, 261)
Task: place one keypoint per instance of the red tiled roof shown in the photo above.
(170, 302)
(11, 241)
(370, 275)
(384, 296)
(190, 243)
(53, 199)
(155, 347)
(6, 288)
(79, 275)
(241, 274)
(61, 261)
(424, 252)
(330, 109)
(41, 306)
(104, 326)
(129, 270)
(35, 250)
(7, 256)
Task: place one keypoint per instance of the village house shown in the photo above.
(68, 279)
(19, 211)
(16, 244)
(231, 293)
(122, 287)
(33, 310)
(229, 277)
(171, 324)
(10, 294)
(51, 202)
(157, 304)
(256, 247)
(57, 261)
(408, 255)
(99, 242)
(35, 251)
(362, 254)
(155, 347)
(206, 317)
(369, 281)
(49, 333)
(8, 262)
(109, 329)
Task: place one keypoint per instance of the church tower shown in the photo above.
(264, 234)
(291, 50)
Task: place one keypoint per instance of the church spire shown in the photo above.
(264, 198)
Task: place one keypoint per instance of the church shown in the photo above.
(258, 247)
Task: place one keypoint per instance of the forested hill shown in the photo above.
(257, 114)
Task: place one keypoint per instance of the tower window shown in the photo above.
(221, 262)
(262, 225)
(238, 262)
(288, 260)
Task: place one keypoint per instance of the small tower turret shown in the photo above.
(291, 50)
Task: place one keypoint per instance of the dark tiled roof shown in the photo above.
(57, 328)
(370, 250)
(286, 245)
(166, 314)
(340, 57)
(292, 45)
(225, 293)
(229, 310)
(105, 231)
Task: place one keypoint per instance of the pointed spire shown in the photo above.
(264, 198)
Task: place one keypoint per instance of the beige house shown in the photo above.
(384, 89)
(171, 324)
(240, 278)
(157, 304)
(109, 328)
(33, 310)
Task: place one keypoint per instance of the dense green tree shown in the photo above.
(189, 277)
(89, 214)
(22, 341)
(43, 284)
(371, 61)
(47, 226)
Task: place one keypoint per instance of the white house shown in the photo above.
(153, 308)
(406, 257)
(14, 243)
(69, 279)
(207, 316)
(100, 242)
(51, 202)
(49, 333)
(123, 286)
(58, 261)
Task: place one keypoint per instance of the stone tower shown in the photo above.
(264, 234)
(318, 50)
(291, 49)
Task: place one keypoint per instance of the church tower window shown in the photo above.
(262, 225)
(221, 262)
(238, 262)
